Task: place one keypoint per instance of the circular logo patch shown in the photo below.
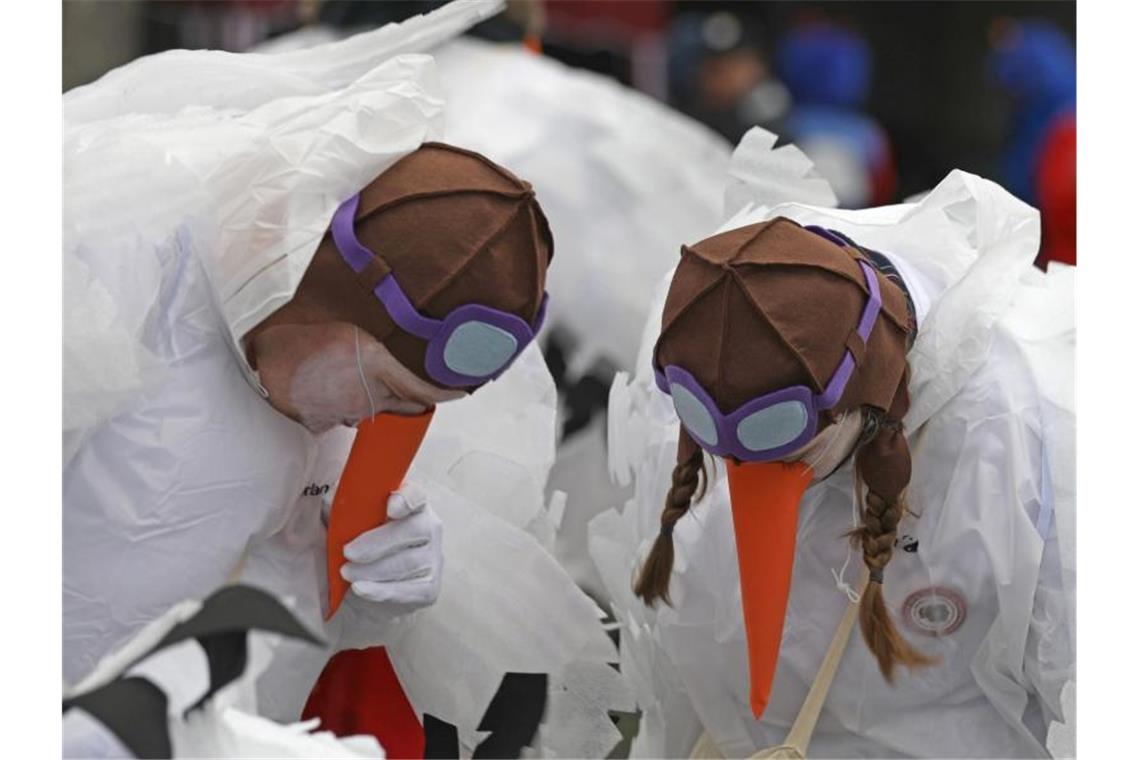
(936, 611)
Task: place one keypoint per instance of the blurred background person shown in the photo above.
(720, 74)
(1034, 64)
(827, 69)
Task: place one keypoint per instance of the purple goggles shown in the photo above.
(471, 345)
(771, 426)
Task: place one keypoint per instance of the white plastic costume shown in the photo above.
(985, 570)
(198, 185)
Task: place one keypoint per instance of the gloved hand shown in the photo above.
(400, 563)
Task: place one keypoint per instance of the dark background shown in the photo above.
(930, 90)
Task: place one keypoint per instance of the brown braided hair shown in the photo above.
(882, 465)
(690, 480)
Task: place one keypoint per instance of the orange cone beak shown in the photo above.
(765, 502)
(381, 455)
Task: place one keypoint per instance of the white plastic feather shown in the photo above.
(760, 175)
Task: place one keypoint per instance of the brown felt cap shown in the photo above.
(770, 305)
(453, 228)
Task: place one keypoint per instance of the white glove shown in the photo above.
(399, 564)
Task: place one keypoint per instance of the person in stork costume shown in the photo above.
(849, 419)
(631, 177)
(257, 260)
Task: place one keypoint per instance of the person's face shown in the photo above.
(331, 374)
(827, 450)
(726, 78)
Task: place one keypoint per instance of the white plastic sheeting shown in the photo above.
(192, 210)
(991, 428)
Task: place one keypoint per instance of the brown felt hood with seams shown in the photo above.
(453, 228)
(770, 305)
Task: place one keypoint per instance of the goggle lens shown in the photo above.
(694, 415)
(770, 428)
(479, 349)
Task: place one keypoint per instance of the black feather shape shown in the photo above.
(441, 739)
(238, 608)
(513, 716)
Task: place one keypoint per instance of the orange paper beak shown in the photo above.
(381, 455)
(765, 502)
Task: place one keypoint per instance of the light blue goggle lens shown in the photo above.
(477, 349)
(773, 427)
(694, 415)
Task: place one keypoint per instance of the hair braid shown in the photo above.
(883, 465)
(689, 481)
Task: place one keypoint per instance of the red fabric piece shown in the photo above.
(358, 692)
(884, 177)
(632, 18)
(1057, 191)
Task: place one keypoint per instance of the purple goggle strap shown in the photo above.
(833, 392)
(395, 301)
(838, 383)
